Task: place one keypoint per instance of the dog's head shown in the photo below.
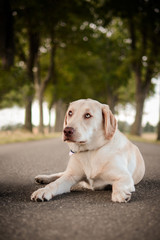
(88, 125)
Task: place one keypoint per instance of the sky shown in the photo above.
(15, 115)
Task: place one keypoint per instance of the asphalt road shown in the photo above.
(77, 215)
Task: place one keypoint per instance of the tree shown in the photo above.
(146, 51)
(113, 50)
(142, 20)
(33, 51)
(148, 128)
(13, 87)
(26, 47)
(44, 20)
(86, 73)
(158, 125)
(158, 135)
(41, 84)
(6, 34)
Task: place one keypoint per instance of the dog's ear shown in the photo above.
(110, 123)
(65, 121)
(65, 118)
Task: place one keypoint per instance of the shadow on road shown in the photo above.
(10, 192)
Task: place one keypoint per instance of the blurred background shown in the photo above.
(53, 52)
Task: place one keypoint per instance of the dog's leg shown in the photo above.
(45, 179)
(122, 189)
(81, 186)
(61, 185)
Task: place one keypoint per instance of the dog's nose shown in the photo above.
(68, 131)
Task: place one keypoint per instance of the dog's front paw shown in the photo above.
(42, 179)
(123, 195)
(42, 194)
(120, 196)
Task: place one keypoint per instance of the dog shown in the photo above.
(100, 155)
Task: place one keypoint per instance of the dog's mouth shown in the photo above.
(73, 141)
(70, 136)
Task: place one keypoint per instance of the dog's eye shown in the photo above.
(87, 115)
(70, 113)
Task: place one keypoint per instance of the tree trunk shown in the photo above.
(49, 124)
(41, 126)
(111, 100)
(41, 85)
(158, 135)
(28, 114)
(142, 90)
(33, 50)
(6, 34)
(136, 128)
(142, 78)
(60, 113)
(39, 93)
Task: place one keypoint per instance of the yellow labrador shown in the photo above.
(100, 154)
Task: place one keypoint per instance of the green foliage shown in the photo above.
(95, 66)
(93, 49)
(12, 127)
(123, 126)
(50, 95)
(142, 21)
(149, 128)
(79, 74)
(13, 87)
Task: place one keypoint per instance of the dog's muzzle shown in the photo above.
(68, 133)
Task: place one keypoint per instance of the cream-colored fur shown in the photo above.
(102, 155)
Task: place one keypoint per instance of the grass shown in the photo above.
(24, 136)
(146, 137)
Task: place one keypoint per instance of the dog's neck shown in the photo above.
(77, 148)
(72, 152)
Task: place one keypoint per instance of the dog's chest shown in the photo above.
(93, 170)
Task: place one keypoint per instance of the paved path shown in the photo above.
(77, 215)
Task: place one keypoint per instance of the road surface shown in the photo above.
(76, 215)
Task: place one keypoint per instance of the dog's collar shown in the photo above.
(71, 152)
